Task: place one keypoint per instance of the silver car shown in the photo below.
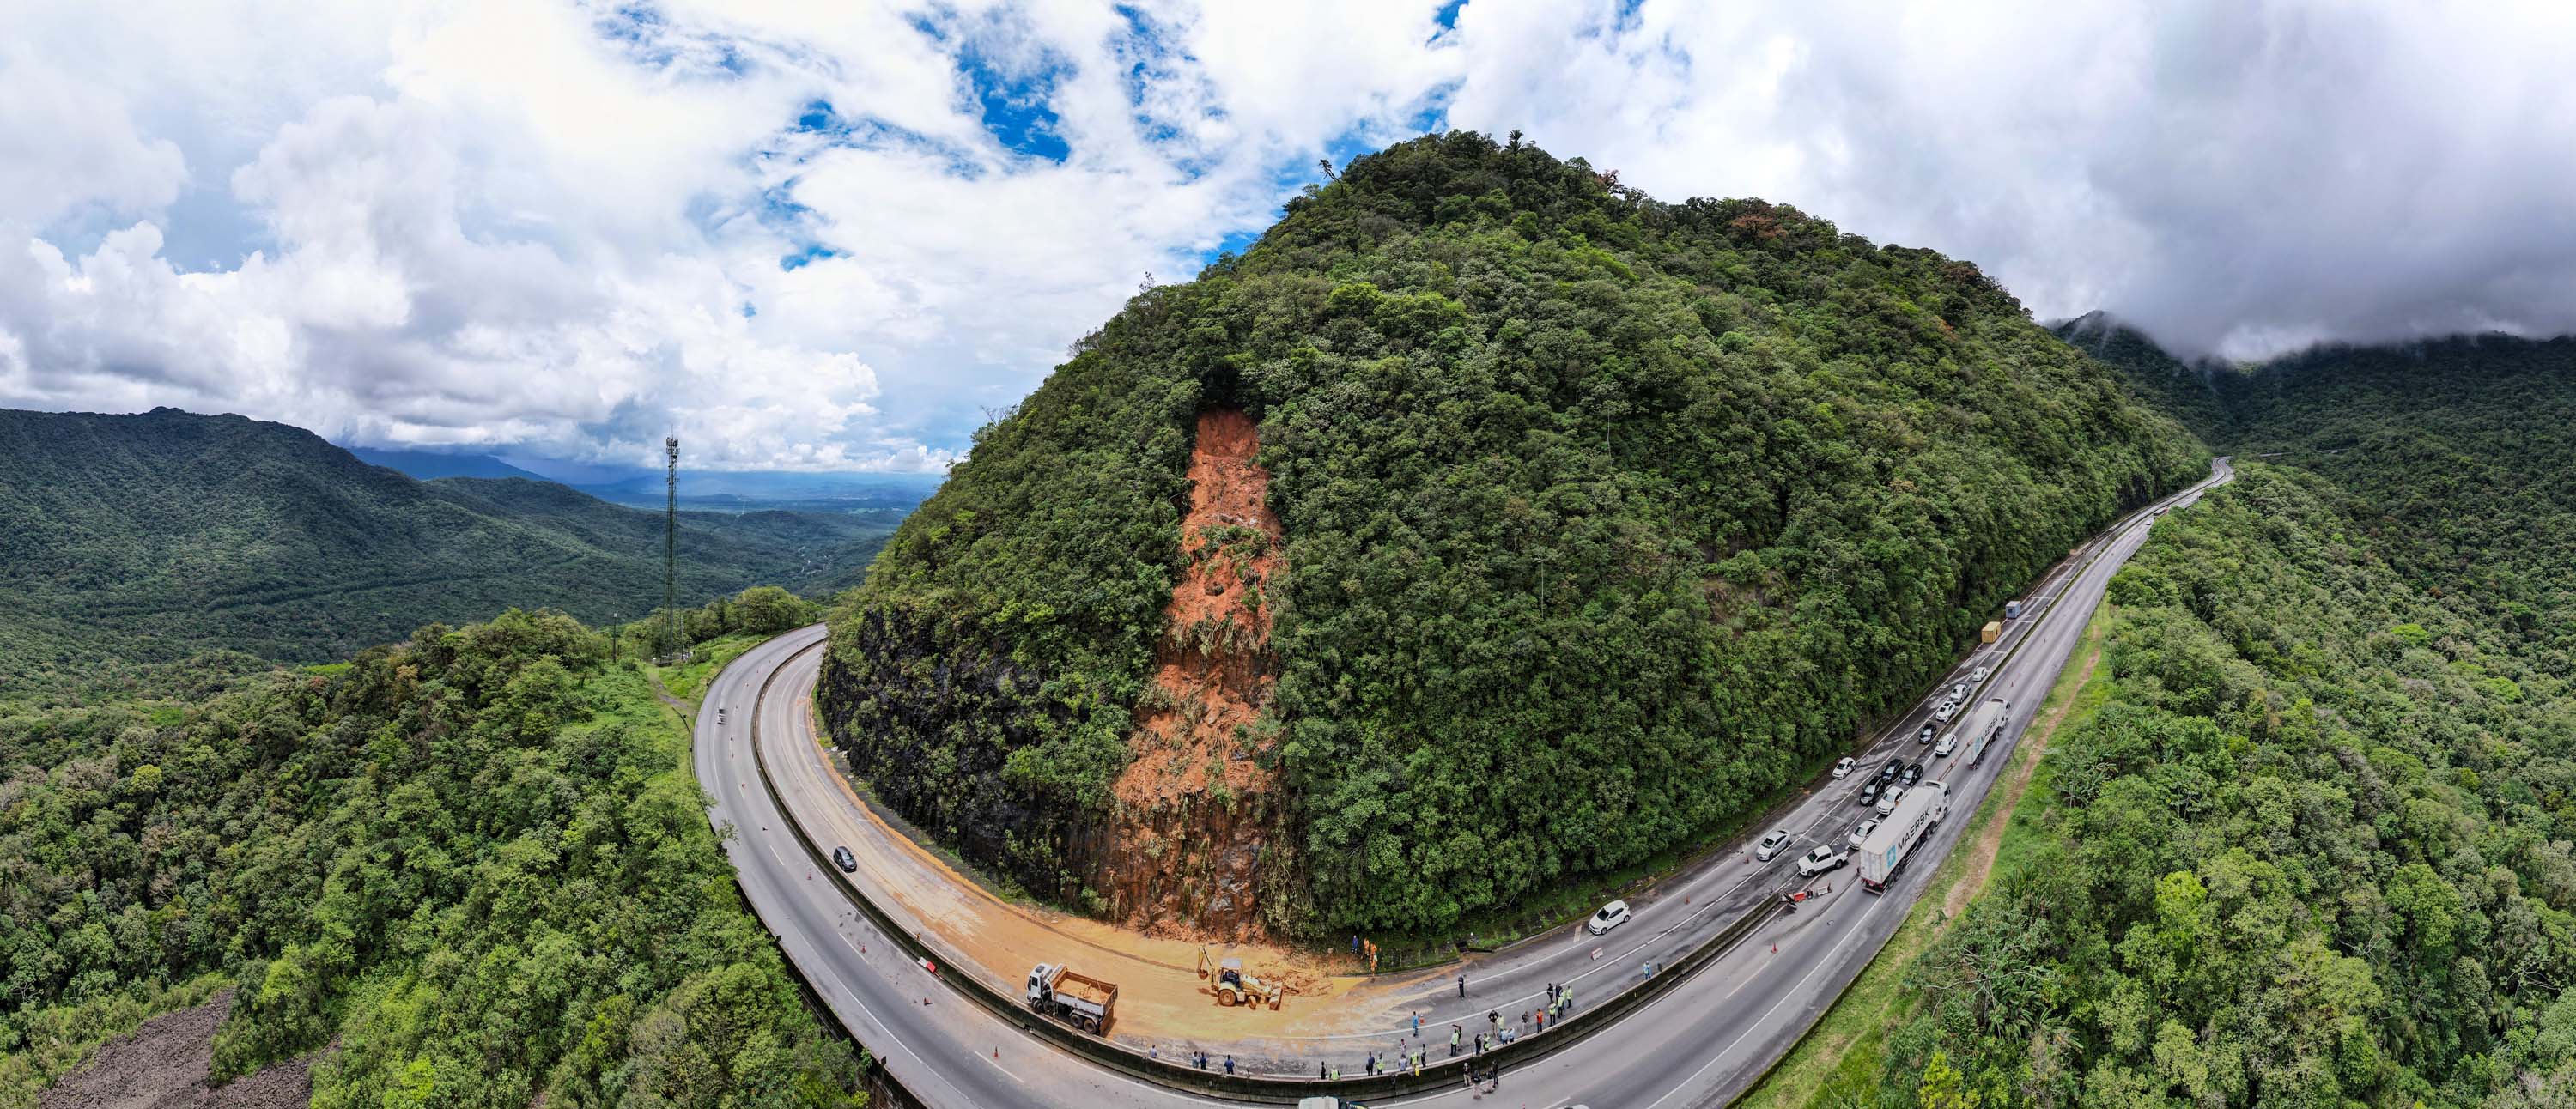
(1771, 845)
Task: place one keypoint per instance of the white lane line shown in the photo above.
(1795, 993)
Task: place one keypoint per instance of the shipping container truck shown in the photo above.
(1981, 726)
(2012, 610)
(1884, 854)
(1993, 631)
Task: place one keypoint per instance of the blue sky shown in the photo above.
(837, 238)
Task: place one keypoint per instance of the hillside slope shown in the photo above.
(2315, 847)
(146, 539)
(1591, 520)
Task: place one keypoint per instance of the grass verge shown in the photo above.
(688, 681)
(1836, 1063)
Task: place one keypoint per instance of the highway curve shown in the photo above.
(1703, 1042)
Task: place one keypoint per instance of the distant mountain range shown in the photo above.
(430, 465)
(714, 491)
(136, 542)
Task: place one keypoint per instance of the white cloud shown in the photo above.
(563, 229)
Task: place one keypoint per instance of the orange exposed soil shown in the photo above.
(1197, 815)
(1161, 997)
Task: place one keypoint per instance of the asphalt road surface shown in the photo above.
(1701, 1044)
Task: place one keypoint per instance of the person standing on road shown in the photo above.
(1454, 1041)
(1462, 986)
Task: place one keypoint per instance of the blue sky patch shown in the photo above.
(810, 254)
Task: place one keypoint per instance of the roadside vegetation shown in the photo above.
(1603, 518)
(477, 861)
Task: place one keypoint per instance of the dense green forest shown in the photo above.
(477, 860)
(162, 552)
(1603, 516)
(2316, 848)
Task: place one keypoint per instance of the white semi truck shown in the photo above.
(1898, 837)
(1983, 725)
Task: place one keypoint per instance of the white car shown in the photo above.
(1957, 692)
(1611, 916)
(1947, 710)
(1843, 769)
(1887, 800)
(1771, 845)
(1948, 744)
(1979, 678)
(1860, 833)
(1819, 861)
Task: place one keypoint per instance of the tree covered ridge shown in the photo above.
(2314, 851)
(1604, 518)
(475, 859)
(138, 542)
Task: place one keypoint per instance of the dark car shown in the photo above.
(1889, 772)
(1913, 773)
(1869, 789)
(847, 860)
(1925, 736)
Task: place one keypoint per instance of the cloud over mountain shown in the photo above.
(836, 236)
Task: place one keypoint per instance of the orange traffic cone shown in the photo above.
(1775, 949)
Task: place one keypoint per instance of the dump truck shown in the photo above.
(1981, 726)
(1884, 854)
(1993, 631)
(1078, 999)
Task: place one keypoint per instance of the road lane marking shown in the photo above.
(1794, 993)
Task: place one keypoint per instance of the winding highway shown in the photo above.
(1703, 1041)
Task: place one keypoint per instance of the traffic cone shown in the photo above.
(1775, 949)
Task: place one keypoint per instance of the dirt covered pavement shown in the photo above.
(163, 1065)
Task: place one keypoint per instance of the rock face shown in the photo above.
(949, 714)
(1198, 803)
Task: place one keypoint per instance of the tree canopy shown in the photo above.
(475, 859)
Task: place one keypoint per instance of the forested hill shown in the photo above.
(2313, 847)
(474, 864)
(135, 543)
(1602, 518)
(2456, 451)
